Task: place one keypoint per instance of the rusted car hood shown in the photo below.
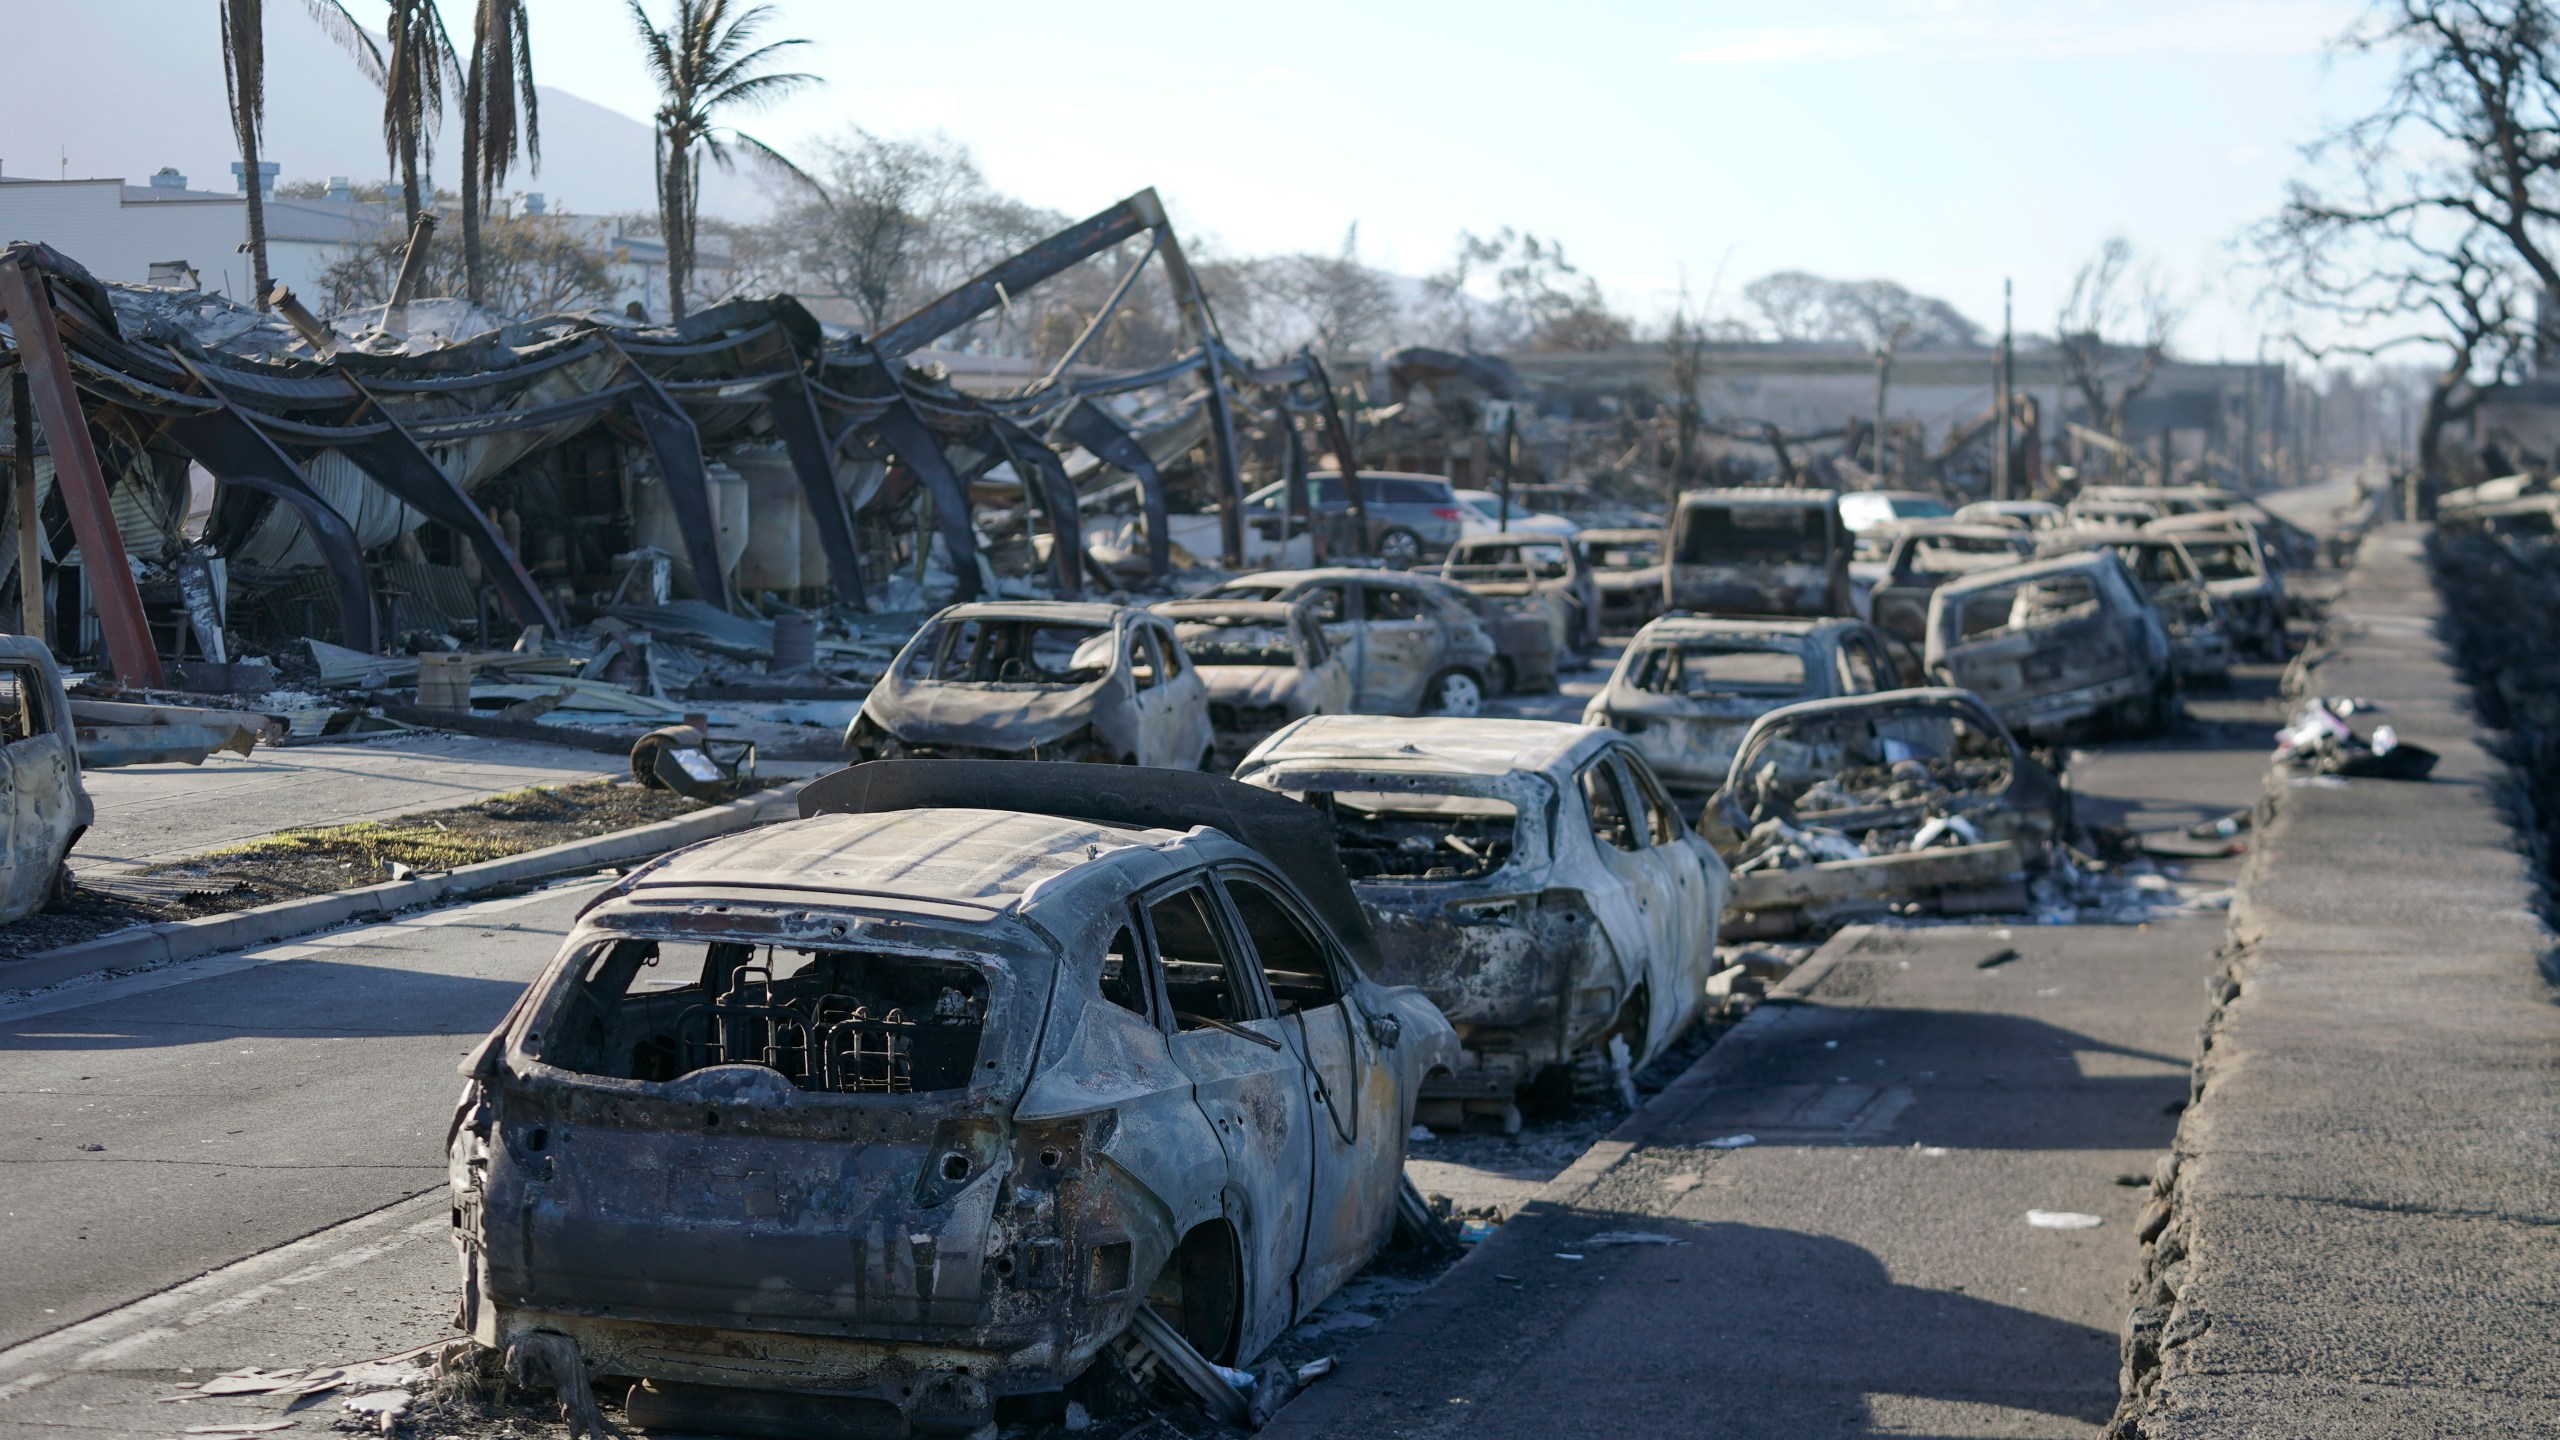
(995, 717)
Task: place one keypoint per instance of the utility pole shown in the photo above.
(2005, 488)
(2249, 420)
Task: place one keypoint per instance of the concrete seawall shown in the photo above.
(2361, 1235)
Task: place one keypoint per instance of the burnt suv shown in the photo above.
(921, 1100)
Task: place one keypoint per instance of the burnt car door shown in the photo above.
(1402, 648)
(1327, 667)
(1248, 1081)
(1330, 604)
(1355, 1126)
(1172, 709)
(1682, 908)
(1864, 669)
(1628, 894)
(37, 766)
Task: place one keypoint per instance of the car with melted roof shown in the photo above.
(1264, 663)
(1038, 680)
(1533, 878)
(1690, 686)
(1414, 647)
(920, 1101)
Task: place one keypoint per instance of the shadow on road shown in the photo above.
(285, 999)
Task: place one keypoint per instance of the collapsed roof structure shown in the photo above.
(375, 487)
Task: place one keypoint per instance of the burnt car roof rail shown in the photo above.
(1296, 839)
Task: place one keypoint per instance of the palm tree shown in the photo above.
(499, 119)
(411, 70)
(244, 80)
(706, 63)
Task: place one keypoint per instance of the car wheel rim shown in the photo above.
(1399, 549)
(1460, 695)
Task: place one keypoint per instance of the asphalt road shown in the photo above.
(167, 1124)
(280, 1113)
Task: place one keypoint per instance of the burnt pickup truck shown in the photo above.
(860, 1124)
(48, 808)
(1758, 552)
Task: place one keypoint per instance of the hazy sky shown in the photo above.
(1944, 143)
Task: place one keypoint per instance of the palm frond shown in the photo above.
(755, 92)
(747, 63)
(338, 25)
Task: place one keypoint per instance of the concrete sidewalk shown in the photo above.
(1866, 1265)
(2362, 1235)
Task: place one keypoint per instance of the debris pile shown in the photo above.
(2320, 741)
(1870, 810)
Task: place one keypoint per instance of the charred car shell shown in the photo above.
(1038, 680)
(946, 1095)
(1626, 569)
(1758, 552)
(48, 808)
(1264, 664)
(1416, 644)
(2054, 643)
(1919, 796)
(2158, 561)
(1529, 573)
(1689, 686)
(1531, 877)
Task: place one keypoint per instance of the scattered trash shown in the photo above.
(1932, 1151)
(2063, 1220)
(1997, 959)
(1475, 1231)
(1562, 1255)
(251, 1381)
(1607, 1238)
(1730, 1142)
(2320, 740)
(384, 1407)
(1314, 1370)
(1421, 1135)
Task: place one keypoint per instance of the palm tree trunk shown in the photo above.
(255, 182)
(409, 200)
(676, 219)
(471, 197)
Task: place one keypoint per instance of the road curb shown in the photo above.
(212, 934)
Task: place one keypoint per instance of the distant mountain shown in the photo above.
(123, 87)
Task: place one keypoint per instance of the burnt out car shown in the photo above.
(2240, 572)
(1531, 877)
(2199, 636)
(914, 1104)
(2056, 643)
(1414, 648)
(1039, 680)
(1626, 568)
(1264, 663)
(1925, 554)
(1758, 552)
(1839, 808)
(48, 809)
(1541, 575)
(1689, 686)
